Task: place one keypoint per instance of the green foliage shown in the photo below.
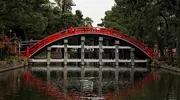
(65, 5)
(37, 18)
(88, 21)
(68, 20)
(79, 17)
(148, 20)
(176, 62)
(24, 14)
(15, 59)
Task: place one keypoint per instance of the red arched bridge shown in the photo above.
(117, 43)
(136, 53)
(30, 51)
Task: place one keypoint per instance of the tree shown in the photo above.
(88, 21)
(147, 20)
(79, 17)
(22, 14)
(65, 5)
(68, 20)
(37, 18)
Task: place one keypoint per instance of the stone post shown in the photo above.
(65, 65)
(132, 64)
(117, 62)
(65, 58)
(48, 74)
(48, 55)
(82, 57)
(100, 65)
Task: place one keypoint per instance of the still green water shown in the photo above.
(163, 85)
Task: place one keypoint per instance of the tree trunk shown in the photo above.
(64, 6)
(25, 35)
(161, 48)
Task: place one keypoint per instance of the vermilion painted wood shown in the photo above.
(86, 30)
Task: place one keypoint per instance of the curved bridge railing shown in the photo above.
(86, 30)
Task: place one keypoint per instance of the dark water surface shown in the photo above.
(155, 85)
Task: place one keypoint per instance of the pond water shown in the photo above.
(154, 85)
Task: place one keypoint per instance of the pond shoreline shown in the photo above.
(168, 67)
(175, 69)
(13, 67)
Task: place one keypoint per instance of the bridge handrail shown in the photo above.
(85, 30)
(111, 31)
(43, 42)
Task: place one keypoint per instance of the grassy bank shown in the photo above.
(12, 61)
(175, 61)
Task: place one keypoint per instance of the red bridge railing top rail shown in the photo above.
(86, 30)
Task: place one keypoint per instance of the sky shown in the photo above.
(95, 9)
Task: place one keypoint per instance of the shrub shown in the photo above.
(176, 62)
(15, 59)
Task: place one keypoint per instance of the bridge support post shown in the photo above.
(65, 61)
(48, 56)
(117, 62)
(82, 57)
(48, 73)
(100, 65)
(48, 63)
(65, 65)
(132, 65)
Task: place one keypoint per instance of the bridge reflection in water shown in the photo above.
(96, 50)
(90, 86)
(159, 85)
